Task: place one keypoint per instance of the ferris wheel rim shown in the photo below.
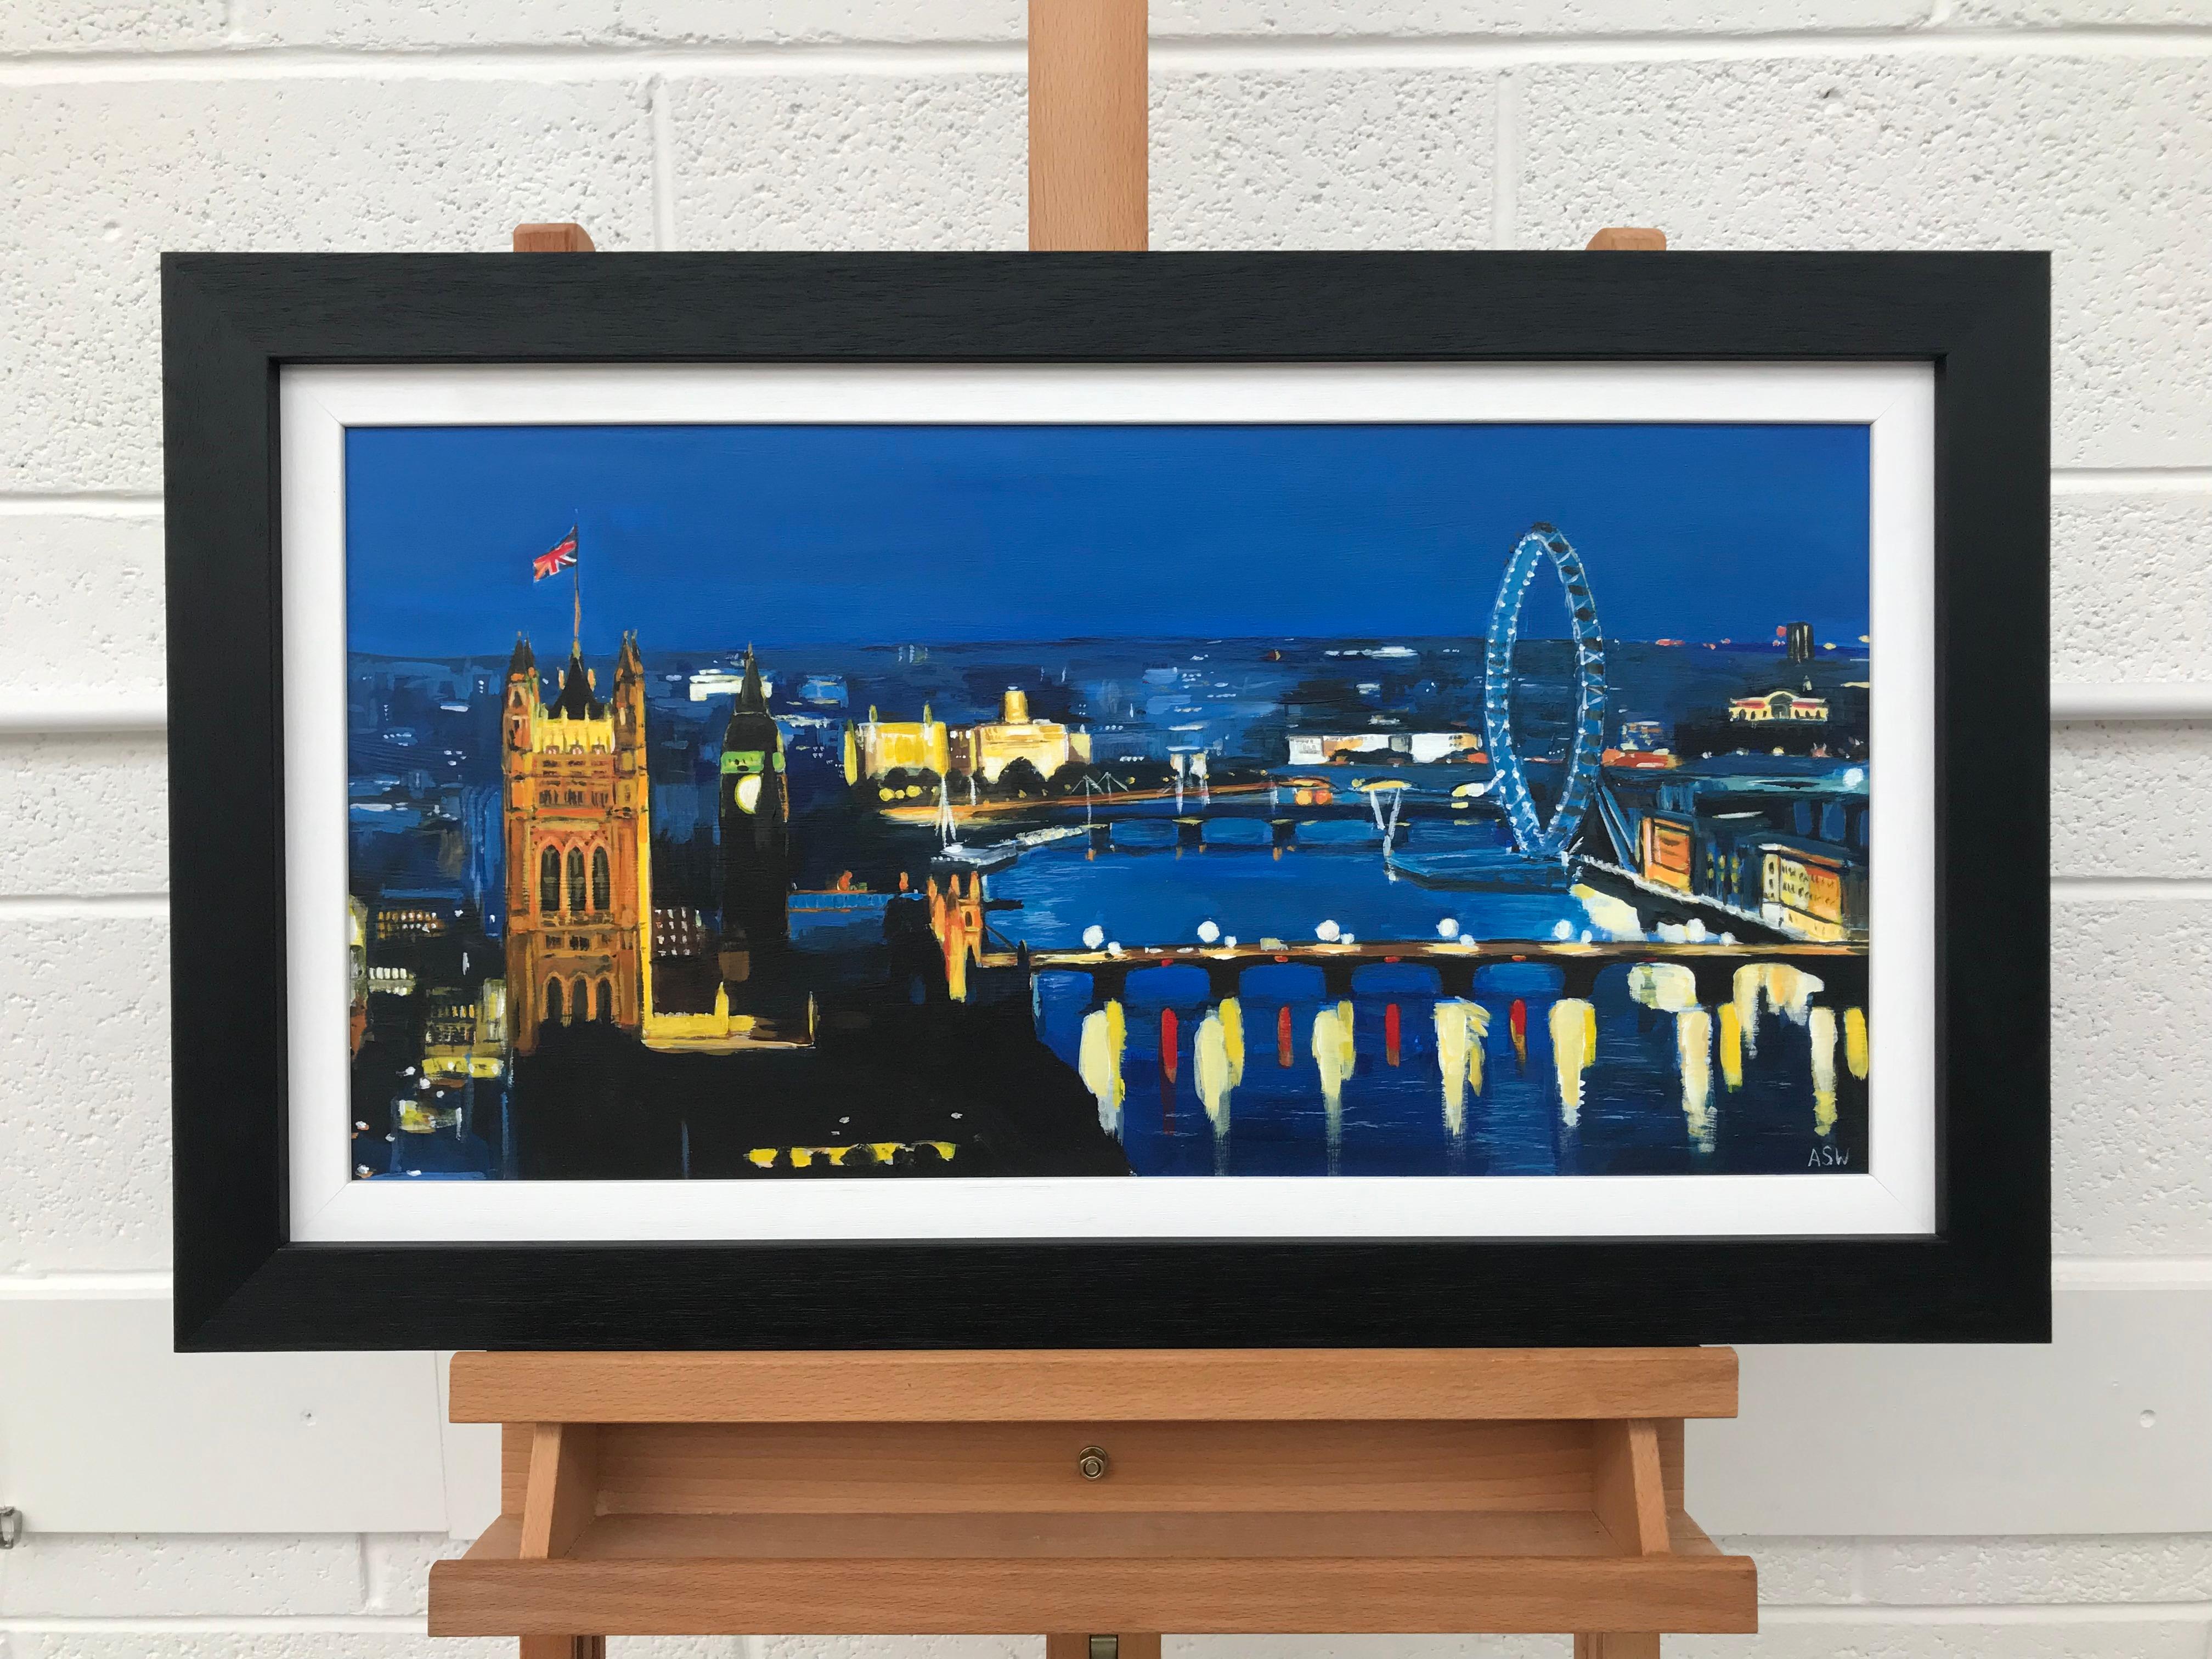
(1543, 543)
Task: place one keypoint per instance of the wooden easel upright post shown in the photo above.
(1115, 1491)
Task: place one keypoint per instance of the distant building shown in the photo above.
(989, 748)
(822, 691)
(1797, 640)
(357, 973)
(877, 746)
(1647, 736)
(1778, 706)
(465, 1032)
(1421, 748)
(679, 930)
(1779, 841)
(723, 683)
(416, 911)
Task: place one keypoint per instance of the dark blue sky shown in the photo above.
(710, 536)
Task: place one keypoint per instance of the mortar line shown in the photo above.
(1505, 163)
(663, 127)
(612, 60)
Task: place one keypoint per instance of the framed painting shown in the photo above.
(804, 800)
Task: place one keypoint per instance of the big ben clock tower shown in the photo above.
(755, 814)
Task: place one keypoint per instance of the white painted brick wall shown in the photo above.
(127, 126)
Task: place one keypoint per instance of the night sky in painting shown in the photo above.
(804, 535)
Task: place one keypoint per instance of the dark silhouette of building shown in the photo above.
(756, 813)
(1798, 637)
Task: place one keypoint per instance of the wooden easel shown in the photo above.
(1279, 1490)
(1116, 1491)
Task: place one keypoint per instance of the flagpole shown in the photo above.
(576, 572)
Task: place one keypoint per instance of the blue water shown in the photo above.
(1633, 1113)
(1161, 896)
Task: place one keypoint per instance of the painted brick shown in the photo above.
(2095, 157)
(1796, 1571)
(847, 162)
(85, 814)
(1294, 18)
(1367, 1647)
(1935, 1572)
(265, 1643)
(1238, 159)
(395, 1568)
(2131, 586)
(308, 1642)
(627, 22)
(2048, 14)
(902, 1647)
(110, 1575)
(2131, 799)
(84, 1037)
(474, 23)
(1381, 158)
(1880, 1637)
(113, 174)
(111, 25)
(83, 597)
(2131, 1169)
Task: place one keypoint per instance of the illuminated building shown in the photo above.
(357, 973)
(989, 748)
(1781, 706)
(1421, 748)
(876, 746)
(465, 1032)
(578, 831)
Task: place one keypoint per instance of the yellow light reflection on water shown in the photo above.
(1693, 1041)
(1731, 1046)
(1821, 1023)
(1574, 1045)
(1098, 1062)
(1460, 1028)
(1334, 1056)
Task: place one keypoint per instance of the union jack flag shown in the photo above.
(561, 557)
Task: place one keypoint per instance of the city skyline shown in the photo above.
(707, 537)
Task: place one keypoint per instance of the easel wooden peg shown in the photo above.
(553, 238)
(1630, 239)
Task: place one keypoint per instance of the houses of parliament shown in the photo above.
(576, 813)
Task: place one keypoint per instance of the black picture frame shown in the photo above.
(230, 323)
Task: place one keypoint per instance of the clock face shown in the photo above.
(748, 792)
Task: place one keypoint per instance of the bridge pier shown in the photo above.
(1221, 978)
(1458, 975)
(1578, 976)
(1715, 980)
(1282, 832)
(1108, 980)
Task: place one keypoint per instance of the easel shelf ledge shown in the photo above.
(1119, 1384)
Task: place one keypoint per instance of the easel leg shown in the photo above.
(1092, 1647)
(1618, 1644)
(564, 1647)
